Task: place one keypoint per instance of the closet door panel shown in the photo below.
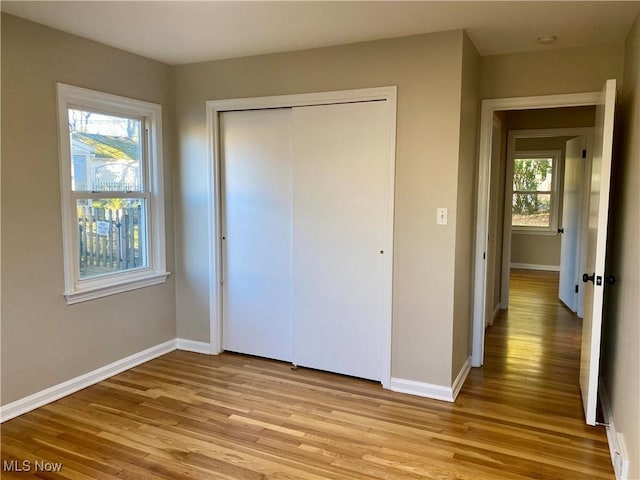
(340, 184)
(257, 230)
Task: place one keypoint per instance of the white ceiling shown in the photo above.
(177, 32)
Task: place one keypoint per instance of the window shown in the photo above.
(112, 194)
(534, 202)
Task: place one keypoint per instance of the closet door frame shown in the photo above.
(213, 110)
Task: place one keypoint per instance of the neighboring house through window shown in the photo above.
(112, 194)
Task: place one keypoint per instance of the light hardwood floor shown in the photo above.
(191, 416)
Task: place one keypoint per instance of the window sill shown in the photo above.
(532, 231)
(114, 287)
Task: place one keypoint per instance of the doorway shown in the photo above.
(597, 224)
(543, 212)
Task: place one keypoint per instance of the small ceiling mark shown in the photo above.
(547, 39)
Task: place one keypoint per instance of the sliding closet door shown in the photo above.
(257, 231)
(340, 222)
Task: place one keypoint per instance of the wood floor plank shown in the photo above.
(233, 417)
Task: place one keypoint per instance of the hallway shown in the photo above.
(531, 373)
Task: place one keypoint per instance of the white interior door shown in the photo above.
(341, 244)
(257, 231)
(571, 215)
(596, 250)
(581, 265)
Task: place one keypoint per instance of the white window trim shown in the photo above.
(556, 155)
(77, 290)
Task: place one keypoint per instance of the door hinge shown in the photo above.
(584, 153)
(576, 288)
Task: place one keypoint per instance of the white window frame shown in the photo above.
(552, 229)
(80, 290)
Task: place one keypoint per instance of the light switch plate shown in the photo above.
(441, 216)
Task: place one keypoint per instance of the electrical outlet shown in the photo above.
(620, 459)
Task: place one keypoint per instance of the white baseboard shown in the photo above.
(429, 390)
(462, 376)
(495, 313)
(193, 346)
(63, 389)
(51, 394)
(421, 389)
(617, 449)
(533, 266)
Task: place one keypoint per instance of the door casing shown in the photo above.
(489, 107)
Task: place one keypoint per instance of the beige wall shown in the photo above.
(44, 341)
(621, 357)
(543, 143)
(532, 249)
(570, 117)
(571, 70)
(465, 208)
(427, 70)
